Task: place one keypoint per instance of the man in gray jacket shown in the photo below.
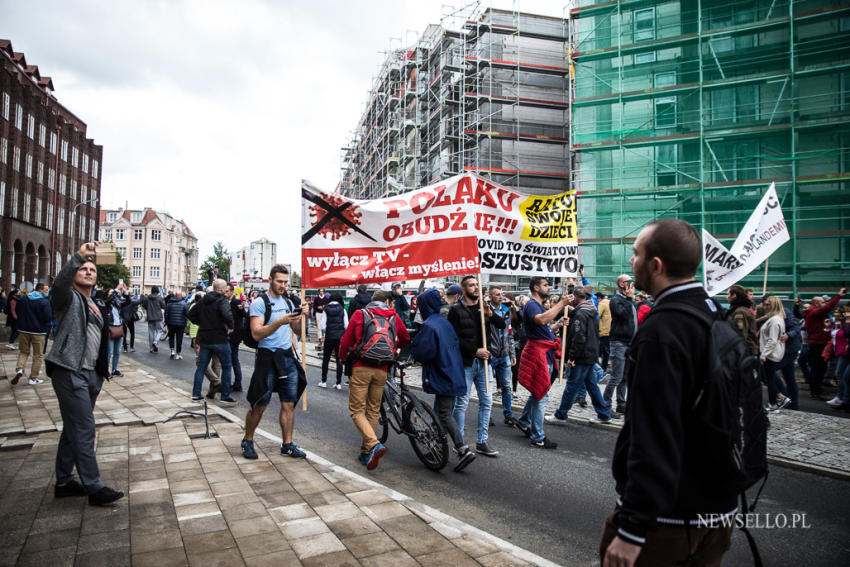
(77, 365)
(154, 304)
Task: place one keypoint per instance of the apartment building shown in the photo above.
(253, 262)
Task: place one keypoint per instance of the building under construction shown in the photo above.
(486, 95)
(692, 108)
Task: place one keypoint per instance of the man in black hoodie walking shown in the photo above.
(664, 479)
(215, 322)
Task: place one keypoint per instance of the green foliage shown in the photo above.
(108, 275)
(221, 258)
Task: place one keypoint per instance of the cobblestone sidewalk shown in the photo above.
(195, 501)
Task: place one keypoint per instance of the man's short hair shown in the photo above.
(40, 286)
(154, 289)
(678, 245)
(765, 297)
(494, 287)
(278, 269)
(738, 291)
(230, 287)
(381, 296)
(467, 278)
(579, 292)
(600, 295)
(362, 288)
(534, 281)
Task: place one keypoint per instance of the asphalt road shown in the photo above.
(552, 503)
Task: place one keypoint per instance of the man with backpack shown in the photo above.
(372, 338)
(673, 464)
(215, 323)
(154, 305)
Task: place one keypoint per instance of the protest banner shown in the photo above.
(462, 225)
(764, 233)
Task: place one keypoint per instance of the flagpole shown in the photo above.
(303, 345)
(483, 333)
(764, 286)
(563, 347)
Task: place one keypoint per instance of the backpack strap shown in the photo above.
(268, 303)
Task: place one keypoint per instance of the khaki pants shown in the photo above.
(34, 343)
(365, 389)
(673, 545)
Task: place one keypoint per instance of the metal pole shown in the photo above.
(483, 333)
(303, 347)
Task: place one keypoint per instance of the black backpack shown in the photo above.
(247, 337)
(377, 345)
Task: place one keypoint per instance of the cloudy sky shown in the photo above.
(215, 110)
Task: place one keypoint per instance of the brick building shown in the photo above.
(159, 249)
(49, 175)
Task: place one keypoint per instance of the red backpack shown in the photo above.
(377, 345)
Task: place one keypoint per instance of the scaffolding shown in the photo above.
(690, 108)
(484, 91)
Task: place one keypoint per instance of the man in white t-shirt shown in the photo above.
(275, 368)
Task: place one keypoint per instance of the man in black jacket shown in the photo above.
(215, 322)
(465, 317)
(582, 353)
(237, 309)
(623, 328)
(662, 479)
(359, 301)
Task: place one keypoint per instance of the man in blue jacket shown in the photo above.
(436, 346)
(34, 317)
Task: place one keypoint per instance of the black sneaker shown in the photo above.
(510, 421)
(72, 488)
(486, 450)
(105, 496)
(117, 373)
(582, 403)
(544, 444)
(227, 401)
(18, 374)
(464, 457)
(525, 430)
(213, 391)
(155, 349)
(236, 389)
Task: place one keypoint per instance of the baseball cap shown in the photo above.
(454, 289)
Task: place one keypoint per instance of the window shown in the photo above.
(666, 79)
(42, 135)
(120, 234)
(734, 104)
(49, 223)
(137, 271)
(665, 166)
(644, 24)
(14, 211)
(137, 253)
(138, 234)
(6, 101)
(665, 112)
(28, 168)
(30, 126)
(75, 157)
(4, 149)
(137, 289)
(111, 217)
(74, 189)
(63, 182)
(2, 197)
(16, 159)
(156, 235)
(154, 271)
(27, 202)
(91, 231)
(19, 116)
(60, 225)
(641, 58)
(122, 251)
(154, 253)
(38, 205)
(85, 163)
(64, 153)
(94, 168)
(40, 177)
(107, 234)
(84, 194)
(82, 228)
(53, 141)
(135, 217)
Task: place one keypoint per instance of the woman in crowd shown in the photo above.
(771, 352)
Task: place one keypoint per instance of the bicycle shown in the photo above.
(406, 414)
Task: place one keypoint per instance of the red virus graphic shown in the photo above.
(333, 227)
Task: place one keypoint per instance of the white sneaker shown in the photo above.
(836, 401)
(553, 420)
(11, 346)
(36, 381)
(173, 354)
(338, 386)
(323, 385)
(179, 357)
(18, 373)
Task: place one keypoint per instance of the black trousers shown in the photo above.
(175, 335)
(818, 366)
(331, 347)
(130, 329)
(444, 406)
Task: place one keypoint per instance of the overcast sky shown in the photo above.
(215, 110)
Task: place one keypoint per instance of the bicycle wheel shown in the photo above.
(383, 425)
(427, 436)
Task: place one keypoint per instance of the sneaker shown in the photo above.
(510, 421)
(363, 458)
(173, 353)
(236, 388)
(293, 451)
(835, 402)
(338, 386)
(525, 430)
(582, 403)
(197, 398)
(544, 444)
(599, 420)
(345, 383)
(105, 496)
(248, 450)
(322, 385)
(179, 356)
(20, 372)
(554, 420)
(11, 346)
(228, 401)
(72, 488)
(375, 454)
(771, 409)
(35, 381)
(486, 450)
(117, 373)
(155, 348)
(464, 457)
(214, 389)
(125, 349)
(132, 349)
(784, 402)
(617, 415)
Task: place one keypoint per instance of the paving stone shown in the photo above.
(391, 559)
(320, 544)
(276, 559)
(370, 544)
(115, 557)
(245, 511)
(421, 542)
(353, 527)
(175, 557)
(386, 511)
(140, 512)
(208, 524)
(104, 541)
(251, 526)
(303, 527)
(51, 540)
(474, 547)
(341, 511)
(147, 541)
(201, 510)
(368, 497)
(336, 559)
(56, 557)
(203, 543)
(501, 559)
(262, 544)
(283, 514)
(451, 556)
(325, 497)
(219, 558)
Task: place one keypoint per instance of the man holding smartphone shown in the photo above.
(623, 328)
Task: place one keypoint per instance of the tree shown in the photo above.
(108, 275)
(294, 280)
(221, 258)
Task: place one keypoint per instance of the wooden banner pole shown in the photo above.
(563, 348)
(304, 344)
(764, 286)
(483, 332)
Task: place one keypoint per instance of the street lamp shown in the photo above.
(74, 213)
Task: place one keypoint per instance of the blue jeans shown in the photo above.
(475, 374)
(222, 351)
(533, 413)
(771, 378)
(582, 374)
(787, 370)
(615, 380)
(502, 370)
(842, 373)
(286, 386)
(605, 351)
(113, 351)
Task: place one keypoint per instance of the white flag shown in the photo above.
(763, 234)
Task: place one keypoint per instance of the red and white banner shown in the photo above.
(461, 225)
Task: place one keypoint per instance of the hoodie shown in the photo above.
(354, 332)
(175, 311)
(34, 314)
(213, 316)
(436, 346)
(359, 301)
(153, 304)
